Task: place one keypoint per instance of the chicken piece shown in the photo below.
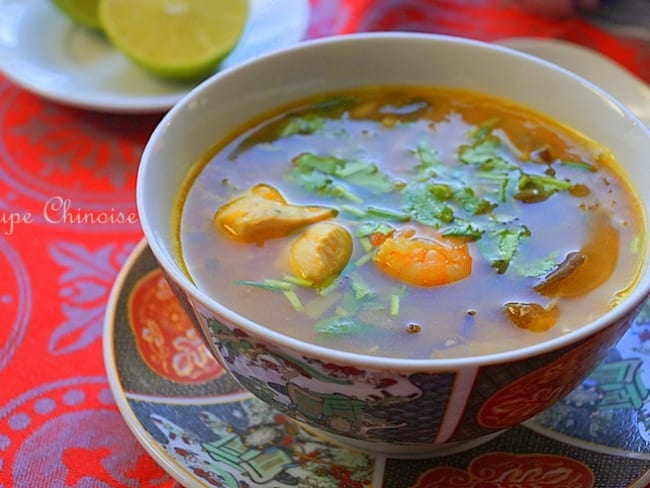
(321, 252)
(262, 213)
(532, 316)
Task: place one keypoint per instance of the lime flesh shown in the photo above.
(176, 39)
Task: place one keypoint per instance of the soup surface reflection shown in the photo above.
(411, 222)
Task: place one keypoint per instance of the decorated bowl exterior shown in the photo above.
(387, 405)
(412, 412)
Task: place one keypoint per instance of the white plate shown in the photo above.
(592, 66)
(45, 53)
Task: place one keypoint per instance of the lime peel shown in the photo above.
(83, 12)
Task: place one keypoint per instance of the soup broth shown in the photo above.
(411, 222)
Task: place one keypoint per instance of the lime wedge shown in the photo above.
(82, 11)
(176, 39)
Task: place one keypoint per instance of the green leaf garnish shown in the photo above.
(315, 121)
(484, 129)
(473, 205)
(500, 246)
(537, 268)
(287, 288)
(293, 300)
(268, 284)
(360, 288)
(578, 165)
(328, 173)
(304, 125)
(537, 188)
(334, 327)
(427, 156)
(425, 207)
(370, 228)
(483, 152)
(464, 229)
(384, 213)
(394, 305)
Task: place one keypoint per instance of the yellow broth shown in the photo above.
(522, 191)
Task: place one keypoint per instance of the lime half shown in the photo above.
(177, 39)
(85, 12)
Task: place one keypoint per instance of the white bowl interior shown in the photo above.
(231, 98)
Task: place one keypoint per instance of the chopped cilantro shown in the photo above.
(376, 212)
(538, 268)
(365, 243)
(482, 152)
(296, 280)
(427, 156)
(501, 245)
(484, 129)
(499, 182)
(368, 176)
(312, 162)
(384, 213)
(467, 199)
(463, 228)
(295, 302)
(326, 173)
(269, 284)
(370, 228)
(579, 165)
(355, 211)
(365, 258)
(286, 287)
(342, 192)
(394, 305)
(360, 288)
(425, 208)
(315, 122)
(337, 326)
(313, 181)
(304, 125)
(537, 188)
(497, 164)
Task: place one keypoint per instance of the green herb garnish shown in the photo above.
(500, 246)
(327, 174)
(537, 188)
(338, 326)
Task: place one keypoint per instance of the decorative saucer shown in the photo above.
(205, 431)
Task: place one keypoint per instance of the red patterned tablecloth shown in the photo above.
(59, 425)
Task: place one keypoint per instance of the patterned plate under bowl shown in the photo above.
(205, 431)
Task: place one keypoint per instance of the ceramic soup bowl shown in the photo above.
(405, 407)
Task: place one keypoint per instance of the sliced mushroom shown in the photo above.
(553, 281)
(532, 316)
(262, 213)
(584, 270)
(321, 252)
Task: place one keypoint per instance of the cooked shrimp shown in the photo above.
(262, 213)
(423, 261)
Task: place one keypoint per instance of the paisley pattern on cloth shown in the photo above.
(68, 222)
